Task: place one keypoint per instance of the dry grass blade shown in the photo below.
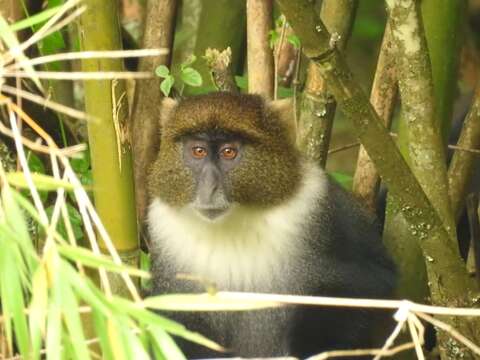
(26, 170)
(112, 54)
(46, 29)
(349, 302)
(40, 100)
(86, 208)
(71, 151)
(93, 75)
(417, 340)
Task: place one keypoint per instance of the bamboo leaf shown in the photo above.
(71, 317)
(84, 288)
(37, 314)
(88, 258)
(148, 318)
(54, 323)
(118, 345)
(10, 39)
(41, 181)
(101, 329)
(13, 301)
(203, 302)
(34, 19)
(164, 344)
(19, 229)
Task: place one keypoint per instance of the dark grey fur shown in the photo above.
(345, 257)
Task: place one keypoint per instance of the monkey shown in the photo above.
(234, 202)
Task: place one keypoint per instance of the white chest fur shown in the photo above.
(247, 249)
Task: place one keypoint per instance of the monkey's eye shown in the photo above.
(199, 152)
(228, 152)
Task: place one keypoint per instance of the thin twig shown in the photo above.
(450, 330)
(40, 100)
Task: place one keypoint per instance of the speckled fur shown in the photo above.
(270, 170)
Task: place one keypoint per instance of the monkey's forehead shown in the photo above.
(239, 114)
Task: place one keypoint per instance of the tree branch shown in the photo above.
(159, 25)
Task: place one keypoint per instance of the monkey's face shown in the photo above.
(219, 151)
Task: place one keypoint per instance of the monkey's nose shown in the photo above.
(212, 214)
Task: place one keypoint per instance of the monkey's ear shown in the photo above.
(283, 111)
(167, 109)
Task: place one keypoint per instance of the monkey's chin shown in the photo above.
(212, 215)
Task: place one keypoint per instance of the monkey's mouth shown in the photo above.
(211, 214)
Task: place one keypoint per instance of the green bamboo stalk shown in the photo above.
(449, 281)
(443, 20)
(317, 106)
(108, 132)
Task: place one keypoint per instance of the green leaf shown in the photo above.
(191, 77)
(54, 325)
(13, 301)
(188, 61)
(17, 224)
(73, 323)
(88, 258)
(75, 221)
(81, 163)
(35, 19)
(273, 38)
(163, 343)
(166, 85)
(145, 264)
(344, 180)
(99, 322)
(162, 71)
(148, 318)
(37, 314)
(34, 163)
(41, 181)
(280, 21)
(242, 82)
(294, 40)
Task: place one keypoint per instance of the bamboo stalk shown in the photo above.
(109, 133)
(259, 54)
